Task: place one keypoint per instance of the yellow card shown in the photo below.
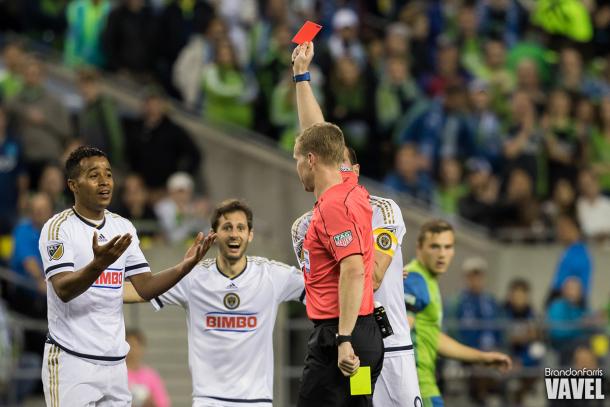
(360, 382)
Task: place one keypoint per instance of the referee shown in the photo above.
(338, 261)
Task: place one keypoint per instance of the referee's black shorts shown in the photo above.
(323, 384)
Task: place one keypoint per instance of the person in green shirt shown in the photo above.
(435, 250)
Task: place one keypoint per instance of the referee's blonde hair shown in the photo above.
(325, 140)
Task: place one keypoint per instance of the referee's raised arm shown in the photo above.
(307, 106)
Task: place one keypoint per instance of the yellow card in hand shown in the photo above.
(360, 382)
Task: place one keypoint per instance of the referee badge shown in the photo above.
(343, 239)
(231, 301)
(384, 241)
(55, 250)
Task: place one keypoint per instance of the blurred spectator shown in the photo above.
(240, 16)
(488, 132)
(98, 122)
(227, 90)
(495, 72)
(519, 208)
(53, 183)
(128, 39)
(450, 188)
(396, 94)
(592, 207)
(599, 151)
(468, 39)
(415, 17)
(194, 57)
(13, 177)
(501, 19)
(442, 130)
(146, 386)
(566, 319)
(272, 68)
(346, 99)
(283, 112)
(42, 121)
(396, 42)
(135, 206)
(563, 147)
(156, 135)
(572, 77)
(523, 335)
(575, 260)
(86, 22)
(479, 206)
(26, 260)
(448, 72)
(408, 177)
(177, 21)
(529, 81)
(523, 148)
(562, 202)
(181, 214)
(27, 263)
(584, 123)
(11, 77)
(344, 41)
(477, 313)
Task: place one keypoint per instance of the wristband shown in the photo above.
(339, 339)
(302, 77)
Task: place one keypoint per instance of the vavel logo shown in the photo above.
(572, 384)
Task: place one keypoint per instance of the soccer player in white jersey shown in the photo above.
(231, 304)
(87, 253)
(397, 386)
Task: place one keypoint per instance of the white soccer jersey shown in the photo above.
(230, 328)
(90, 326)
(388, 230)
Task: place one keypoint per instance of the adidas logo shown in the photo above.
(232, 286)
(101, 238)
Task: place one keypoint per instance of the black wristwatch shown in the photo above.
(339, 339)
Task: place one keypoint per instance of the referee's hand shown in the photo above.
(348, 362)
(301, 57)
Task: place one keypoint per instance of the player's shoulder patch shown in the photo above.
(56, 222)
(384, 206)
(55, 250)
(207, 263)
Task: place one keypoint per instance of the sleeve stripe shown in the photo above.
(137, 266)
(58, 266)
(158, 302)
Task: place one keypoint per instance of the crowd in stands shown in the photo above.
(490, 110)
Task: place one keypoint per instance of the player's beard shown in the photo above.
(232, 258)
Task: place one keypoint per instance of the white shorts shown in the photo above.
(208, 402)
(397, 385)
(69, 381)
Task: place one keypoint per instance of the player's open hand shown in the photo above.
(301, 57)
(498, 360)
(199, 248)
(348, 362)
(105, 255)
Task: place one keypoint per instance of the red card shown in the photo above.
(307, 32)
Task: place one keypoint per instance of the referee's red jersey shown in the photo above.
(340, 227)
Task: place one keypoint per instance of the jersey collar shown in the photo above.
(86, 222)
(236, 276)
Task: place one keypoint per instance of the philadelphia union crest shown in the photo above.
(231, 301)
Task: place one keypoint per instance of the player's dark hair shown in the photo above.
(136, 333)
(433, 227)
(351, 154)
(73, 162)
(229, 206)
